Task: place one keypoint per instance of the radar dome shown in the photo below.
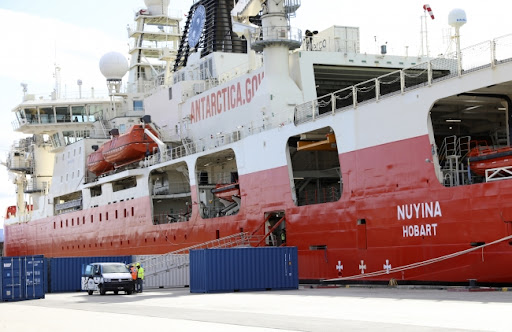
(157, 7)
(457, 18)
(113, 66)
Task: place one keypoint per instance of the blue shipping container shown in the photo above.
(35, 274)
(243, 269)
(12, 279)
(66, 272)
(22, 278)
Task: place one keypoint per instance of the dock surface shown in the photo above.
(305, 309)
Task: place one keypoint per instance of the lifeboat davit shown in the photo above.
(130, 147)
(227, 191)
(482, 157)
(97, 164)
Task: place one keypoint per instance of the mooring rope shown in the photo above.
(420, 264)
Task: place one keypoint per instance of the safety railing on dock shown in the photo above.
(484, 55)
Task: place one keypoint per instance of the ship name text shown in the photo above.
(419, 211)
(225, 99)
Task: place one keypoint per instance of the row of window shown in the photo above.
(121, 242)
(77, 221)
(69, 154)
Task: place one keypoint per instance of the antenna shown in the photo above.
(426, 8)
(457, 18)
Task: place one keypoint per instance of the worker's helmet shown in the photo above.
(138, 264)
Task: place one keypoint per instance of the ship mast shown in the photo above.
(276, 40)
(154, 40)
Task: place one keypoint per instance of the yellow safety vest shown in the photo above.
(140, 273)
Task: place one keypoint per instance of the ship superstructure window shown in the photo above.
(95, 191)
(62, 114)
(315, 167)
(470, 136)
(170, 193)
(126, 183)
(78, 114)
(218, 184)
(68, 203)
(46, 114)
(138, 105)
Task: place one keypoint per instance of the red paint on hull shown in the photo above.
(379, 183)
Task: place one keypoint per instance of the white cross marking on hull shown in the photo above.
(362, 267)
(339, 267)
(387, 266)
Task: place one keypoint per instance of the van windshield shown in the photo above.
(117, 268)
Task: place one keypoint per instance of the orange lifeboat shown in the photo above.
(96, 163)
(129, 147)
(482, 157)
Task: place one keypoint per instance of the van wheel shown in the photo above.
(102, 290)
(89, 292)
(116, 292)
(128, 292)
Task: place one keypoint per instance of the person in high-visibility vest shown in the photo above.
(134, 273)
(283, 237)
(140, 277)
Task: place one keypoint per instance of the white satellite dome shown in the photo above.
(157, 7)
(113, 66)
(457, 18)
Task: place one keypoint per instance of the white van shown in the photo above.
(104, 277)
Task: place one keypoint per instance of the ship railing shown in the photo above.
(34, 185)
(474, 58)
(180, 258)
(190, 147)
(499, 173)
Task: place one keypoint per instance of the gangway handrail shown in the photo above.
(165, 262)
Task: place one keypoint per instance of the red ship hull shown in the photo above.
(394, 232)
(129, 147)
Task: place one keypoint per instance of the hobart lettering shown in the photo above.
(225, 99)
(419, 230)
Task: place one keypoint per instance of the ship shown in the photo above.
(291, 138)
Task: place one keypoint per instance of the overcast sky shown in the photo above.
(75, 34)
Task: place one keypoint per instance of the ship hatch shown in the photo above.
(171, 194)
(218, 185)
(315, 174)
(471, 134)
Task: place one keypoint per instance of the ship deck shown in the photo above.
(305, 309)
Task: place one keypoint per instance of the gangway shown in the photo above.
(180, 258)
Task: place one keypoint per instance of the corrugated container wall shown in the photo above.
(22, 278)
(66, 272)
(176, 274)
(35, 277)
(243, 269)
